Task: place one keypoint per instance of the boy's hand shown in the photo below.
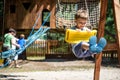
(88, 30)
(18, 46)
(78, 30)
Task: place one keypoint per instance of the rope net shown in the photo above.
(66, 9)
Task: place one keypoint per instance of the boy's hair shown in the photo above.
(22, 36)
(81, 14)
(12, 30)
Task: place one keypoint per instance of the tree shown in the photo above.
(110, 27)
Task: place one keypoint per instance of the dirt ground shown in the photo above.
(49, 65)
(58, 69)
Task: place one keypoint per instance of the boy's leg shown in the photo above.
(76, 49)
(5, 61)
(79, 52)
(85, 45)
(16, 62)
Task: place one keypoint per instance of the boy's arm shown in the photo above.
(13, 43)
(87, 29)
(73, 28)
(24, 42)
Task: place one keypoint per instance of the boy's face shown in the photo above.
(80, 23)
(14, 34)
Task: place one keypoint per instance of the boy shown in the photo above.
(8, 42)
(14, 47)
(85, 49)
(22, 43)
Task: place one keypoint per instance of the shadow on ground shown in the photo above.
(10, 77)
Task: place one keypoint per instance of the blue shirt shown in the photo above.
(21, 42)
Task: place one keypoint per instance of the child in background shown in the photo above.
(22, 43)
(86, 49)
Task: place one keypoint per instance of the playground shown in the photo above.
(59, 69)
(47, 28)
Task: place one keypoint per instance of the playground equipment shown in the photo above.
(97, 12)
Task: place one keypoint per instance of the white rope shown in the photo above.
(59, 6)
(59, 3)
(61, 15)
(86, 5)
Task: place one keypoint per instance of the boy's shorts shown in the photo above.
(79, 52)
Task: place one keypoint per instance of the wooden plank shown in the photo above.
(100, 34)
(111, 47)
(74, 1)
(116, 9)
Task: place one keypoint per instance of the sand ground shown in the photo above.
(58, 70)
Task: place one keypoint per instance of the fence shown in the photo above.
(48, 48)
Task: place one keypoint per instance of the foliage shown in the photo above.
(55, 36)
(110, 27)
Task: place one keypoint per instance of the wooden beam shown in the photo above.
(116, 9)
(111, 47)
(74, 1)
(100, 34)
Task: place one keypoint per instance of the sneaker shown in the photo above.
(93, 40)
(93, 48)
(102, 43)
(98, 47)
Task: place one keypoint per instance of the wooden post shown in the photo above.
(116, 9)
(48, 46)
(103, 11)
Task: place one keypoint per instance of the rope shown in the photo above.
(86, 5)
(62, 19)
(36, 33)
(35, 24)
